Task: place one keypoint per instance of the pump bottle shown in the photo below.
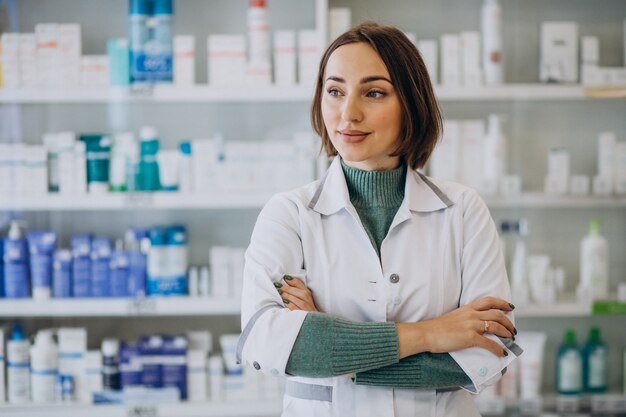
(44, 367)
(18, 367)
(594, 265)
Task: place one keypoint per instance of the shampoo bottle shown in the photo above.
(18, 367)
(594, 264)
(44, 367)
(16, 276)
(595, 355)
(569, 366)
(491, 30)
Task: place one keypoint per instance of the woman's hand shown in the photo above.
(462, 328)
(295, 294)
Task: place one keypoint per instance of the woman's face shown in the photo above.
(360, 107)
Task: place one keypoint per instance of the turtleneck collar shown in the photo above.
(375, 188)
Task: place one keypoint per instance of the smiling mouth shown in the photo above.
(353, 136)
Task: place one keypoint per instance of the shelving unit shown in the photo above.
(252, 94)
(257, 408)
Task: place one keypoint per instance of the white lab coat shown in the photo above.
(442, 251)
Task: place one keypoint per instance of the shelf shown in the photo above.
(206, 94)
(251, 200)
(244, 408)
(558, 309)
(119, 307)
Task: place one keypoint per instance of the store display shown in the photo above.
(285, 57)
(531, 363)
(43, 367)
(569, 375)
(559, 52)
(594, 265)
(184, 60)
(18, 367)
(595, 357)
(492, 43)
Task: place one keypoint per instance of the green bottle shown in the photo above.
(595, 355)
(569, 376)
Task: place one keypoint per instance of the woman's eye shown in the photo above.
(333, 92)
(375, 94)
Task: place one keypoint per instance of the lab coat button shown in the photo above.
(256, 365)
(274, 371)
(482, 371)
(394, 278)
(397, 300)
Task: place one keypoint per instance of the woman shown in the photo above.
(394, 305)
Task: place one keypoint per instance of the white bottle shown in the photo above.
(519, 279)
(193, 281)
(18, 367)
(259, 58)
(197, 375)
(491, 28)
(216, 377)
(185, 170)
(44, 356)
(594, 263)
(494, 156)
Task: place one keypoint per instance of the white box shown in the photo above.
(73, 361)
(70, 48)
(28, 60)
(559, 52)
(445, 161)
(36, 170)
(590, 50)
(602, 186)
(591, 75)
(580, 185)
(559, 165)
(48, 54)
(555, 186)
(620, 168)
(285, 57)
(470, 59)
(606, 154)
(309, 52)
(511, 185)
(226, 60)
(472, 136)
(428, 50)
(339, 21)
(184, 60)
(94, 70)
(450, 60)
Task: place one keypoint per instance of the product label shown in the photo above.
(597, 369)
(569, 378)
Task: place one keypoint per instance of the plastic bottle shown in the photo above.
(44, 367)
(137, 245)
(491, 28)
(100, 267)
(519, 279)
(2, 366)
(595, 356)
(148, 166)
(259, 58)
(569, 366)
(119, 268)
(16, 277)
(138, 34)
(161, 46)
(185, 171)
(594, 264)
(62, 274)
(18, 367)
(495, 155)
(177, 254)
(157, 263)
(111, 364)
(41, 246)
(81, 266)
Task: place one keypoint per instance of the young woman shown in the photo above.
(378, 291)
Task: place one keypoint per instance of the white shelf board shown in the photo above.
(119, 307)
(243, 408)
(251, 200)
(203, 93)
(135, 201)
(558, 309)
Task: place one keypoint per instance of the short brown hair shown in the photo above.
(421, 116)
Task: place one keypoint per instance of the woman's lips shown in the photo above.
(353, 136)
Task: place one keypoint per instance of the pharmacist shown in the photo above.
(376, 290)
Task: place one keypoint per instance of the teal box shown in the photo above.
(119, 61)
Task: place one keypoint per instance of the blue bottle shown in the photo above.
(161, 53)
(175, 364)
(151, 351)
(138, 37)
(569, 377)
(177, 260)
(81, 266)
(148, 176)
(41, 245)
(130, 366)
(62, 274)
(1, 268)
(595, 356)
(100, 269)
(157, 283)
(16, 273)
(137, 244)
(119, 273)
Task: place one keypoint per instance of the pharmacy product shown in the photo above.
(594, 263)
(98, 153)
(124, 146)
(2, 363)
(234, 387)
(259, 59)
(93, 371)
(193, 282)
(119, 61)
(184, 61)
(580, 185)
(168, 169)
(174, 356)
(494, 156)
(509, 384)
(310, 44)
(48, 54)
(148, 179)
(492, 43)
(471, 72)
(137, 244)
(50, 141)
(65, 142)
(157, 263)
(111, 364)
(472, 136)
(559, 52)
(221, 273)
(151, 351)
(100, 268)
(519, 278)
(185, 171)
(80, 168)
(16, 277)
(450, 60)
(445, 162)
(557, 180)
(216, 377)
(227, 60)
(160, 46)
(569, 376)
(284, 57)
(531, 363)
(620, 168)
(44, 367)
(595, 357)
(70, 48)
(36, 170)
(81, 266)
(138, 34)
(339, 21)
(2, 295)
(428, 50)
(130, 365)
(119, 269)
(94, 70)
(72, 363)
(197, 375)
(542, 285)
(177, 260)
(204, 285)
(200, 340)
(18, 367)
(41, 246)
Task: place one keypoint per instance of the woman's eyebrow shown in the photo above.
(364, 80)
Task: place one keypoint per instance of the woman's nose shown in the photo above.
(351, 111)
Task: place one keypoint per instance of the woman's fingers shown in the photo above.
(493, 327)
(294, 303)
(497, 316)
(490, 345)
(490, 303)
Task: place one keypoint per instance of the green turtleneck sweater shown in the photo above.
(328, 346)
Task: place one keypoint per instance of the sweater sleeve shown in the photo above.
(328, 346)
